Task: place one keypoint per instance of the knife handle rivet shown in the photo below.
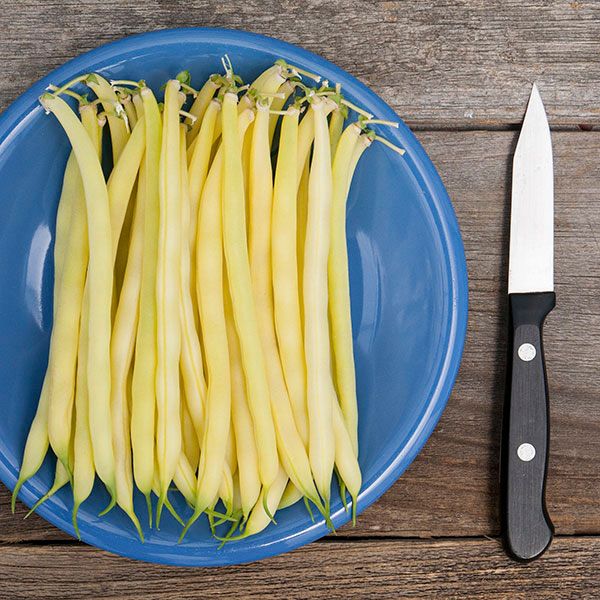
(526, 452)
(526, 352)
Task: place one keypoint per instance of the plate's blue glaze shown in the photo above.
(408, 281)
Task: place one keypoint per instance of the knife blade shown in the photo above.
(527, 528)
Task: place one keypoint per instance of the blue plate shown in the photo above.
(408, 284)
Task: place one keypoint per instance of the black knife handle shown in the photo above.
(527, 527)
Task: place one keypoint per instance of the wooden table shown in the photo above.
(459, 72)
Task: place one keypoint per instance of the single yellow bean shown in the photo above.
(122, 346)
(189, 437)
(84, 471)
(143, 385)
(286, 296)
(168, 426)
(191, 354)
(247, 457)
(198, 169)
(118, 128)
(316, 327)
(285, 90)
(339, 285)
(199, 107)
(336, 125)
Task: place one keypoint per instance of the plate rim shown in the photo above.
(446, 223)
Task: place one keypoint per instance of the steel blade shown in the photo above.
(531, 260)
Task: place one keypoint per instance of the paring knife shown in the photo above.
(527, 527)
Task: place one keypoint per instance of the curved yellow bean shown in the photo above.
(247, 457)
(285, 90)
(62, 359)
(199, 107)
(122, 345)
(339, 285)
(118, 128)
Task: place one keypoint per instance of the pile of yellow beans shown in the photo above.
(202, 337)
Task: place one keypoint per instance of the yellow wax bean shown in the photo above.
(191, 445)
(130, 111)
(83, 460)
(191, 353)
(120, 186)
(84, 471)
(339, 285)
(139, 106)
(306, 136)
(168, 425)
(345, 456)
(226, 489)
(143, 385)
(247, 457)
(185, 480)
(61, 478)
(286, 294)
(240, 286)
(290, 496)
(336, 125)
(122, 180)
(316, 327)
(285, 91)
(118, 128)
(122, 345)
(302, 215)
(71, 186)
(200, 106)
(198, 169)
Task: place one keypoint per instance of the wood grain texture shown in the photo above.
(451, 489)
(451, 63)
(391, 569)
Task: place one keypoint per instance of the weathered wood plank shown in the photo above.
(381, 569)
(445, 63)
(451, 489)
